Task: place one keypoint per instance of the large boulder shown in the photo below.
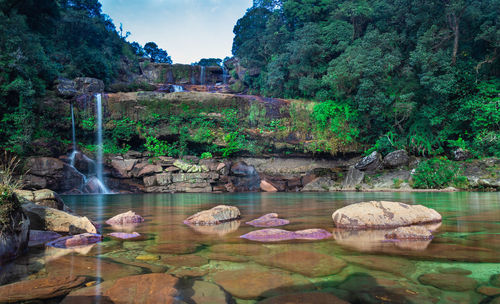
(52, 173)
(14, 231)
(353, 178)
(50, 219)
(214, 216)
(396, 159)
(129, 217)
(244, 177)
(383, 214)
(79, 86)
(370, 162)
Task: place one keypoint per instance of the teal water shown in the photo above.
(371, 271)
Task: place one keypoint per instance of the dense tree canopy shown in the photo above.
(415, 70)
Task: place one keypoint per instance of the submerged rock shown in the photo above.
(249, 283)
(220, 229)
(146, 288)
(39, 289)
(214, 216)
(83, 239)
(305, 298)
(383, 214)
(45, 218)
(275, 235)
(126, 218)
(410, 233)
(268, 220)
(451, 282)
(307, 263)
(495, 280)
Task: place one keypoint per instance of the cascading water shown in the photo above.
(177, 88)
(73, 133)
(100, 179)
(225, 75)
(202, 75)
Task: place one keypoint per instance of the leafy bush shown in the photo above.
(234, 143)
(159, 147)
(384, 145)
(438, 173)
(206, 155)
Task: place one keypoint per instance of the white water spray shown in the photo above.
(178, 88)
(102, 185)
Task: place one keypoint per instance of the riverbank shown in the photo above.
(136, 172)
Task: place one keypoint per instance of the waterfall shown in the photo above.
(73, 133)
(177, 88)
(99, 145)
(202, 75)
(225, 74)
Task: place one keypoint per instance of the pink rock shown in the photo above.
(276, 235)
(269, 235)
(76, 240)
(124, 235)
(312, 234)
(128, 217)
(268, 220)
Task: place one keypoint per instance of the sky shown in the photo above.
(187, 29)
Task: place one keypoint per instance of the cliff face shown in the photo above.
(181, 74)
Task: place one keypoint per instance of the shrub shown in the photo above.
(438, 173)
(206, 155)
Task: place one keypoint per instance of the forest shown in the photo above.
(419, 75)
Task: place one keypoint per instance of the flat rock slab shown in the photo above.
(240, 249)
(188, 272)
(185, 260)
(455, 270)
(227, 257)
(87, 266)
(307, 263)
(173, 248)
(252, 284)
(451, 282)
(268, 220)
(276, 235)
(489, 291)
(394, 265)
(146, 288)
(44, 288)
(129, 217)
(305, 298)
(214, 216)
(383, 215)
(205, 292)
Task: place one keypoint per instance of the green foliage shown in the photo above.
(209, 62)
(385, 144)
(156, 54)
(206, 155)
(159, 147)
(88, 123)
(234, 142)
(438, 173)
(398, 65)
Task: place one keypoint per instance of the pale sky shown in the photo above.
(187, 29)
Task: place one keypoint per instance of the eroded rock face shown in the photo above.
(396, 159)
(45, 218)
(45, 288)
(43, 197)
(268, 220)
(127, 218)
(383, 214)
(78, 86)
(244, 177)
(370, 162)
(51, 173)
(410, 233)
(214, 216)
(14, 235)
